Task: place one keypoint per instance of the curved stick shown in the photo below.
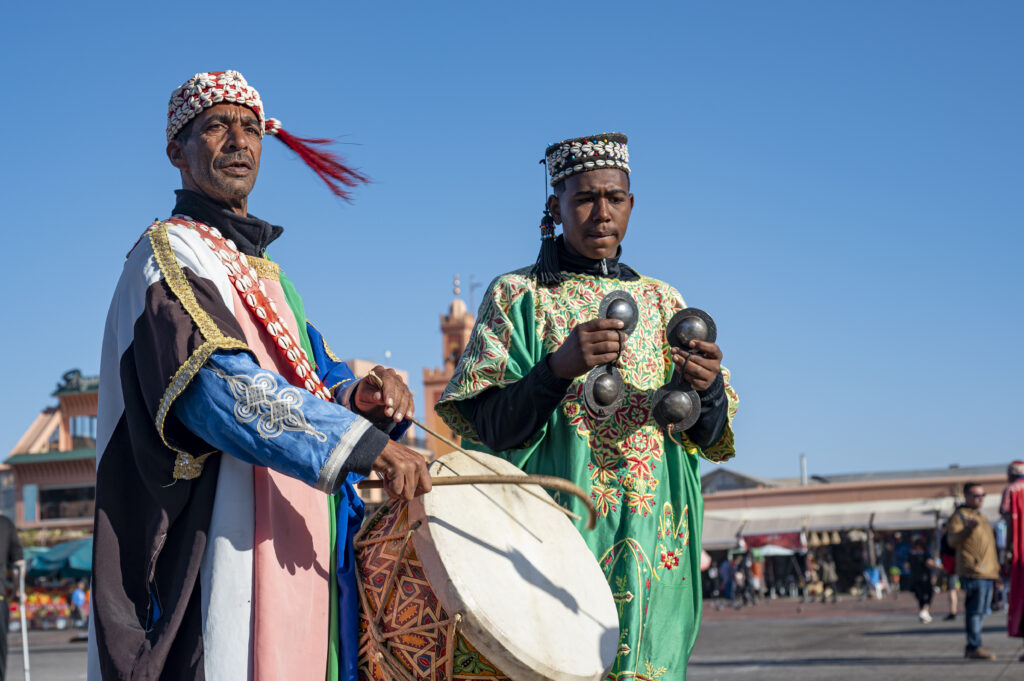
(549, 481)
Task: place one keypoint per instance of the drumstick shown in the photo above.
(575, 490)
(549, 481)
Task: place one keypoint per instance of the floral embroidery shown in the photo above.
(631, 467)
(652, 674)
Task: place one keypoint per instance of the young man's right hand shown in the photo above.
(589, 345)
(404, 471)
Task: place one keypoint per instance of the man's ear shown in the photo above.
(176, 155)
(555, 208)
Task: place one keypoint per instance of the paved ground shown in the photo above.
(774, 641)
(849, 641)
(52, 656)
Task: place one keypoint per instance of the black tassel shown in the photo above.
(547, 268)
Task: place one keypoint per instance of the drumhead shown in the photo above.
(533, 598)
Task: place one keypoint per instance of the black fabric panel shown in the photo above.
(150, 536)
(165, 337)
(250, 234)
(509, 416)
(714, 415)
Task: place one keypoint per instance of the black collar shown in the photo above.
(605, 267)
(250, 234)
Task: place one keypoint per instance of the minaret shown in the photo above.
(456, 327)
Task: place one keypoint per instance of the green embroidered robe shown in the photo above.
(645, 486)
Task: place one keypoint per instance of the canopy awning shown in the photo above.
(849, 520)
(910, 519)
(719, 533)
(72, 559)
(773, 525)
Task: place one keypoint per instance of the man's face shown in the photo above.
(974, 497)
(593, 210)
(220, 157)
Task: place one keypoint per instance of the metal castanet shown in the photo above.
(604, 387)
(622, 306)
(690, 324)
(676, 405)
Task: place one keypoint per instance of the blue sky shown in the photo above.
(839, 184)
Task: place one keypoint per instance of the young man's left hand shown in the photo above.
(382, 394)
(705, 363)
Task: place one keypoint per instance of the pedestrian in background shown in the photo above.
(725, 570)
(947, 554)
(920, 564)
(829, 577)
(10, 559)
(78, 605)
(976, 563)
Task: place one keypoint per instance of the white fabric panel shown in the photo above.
(195, 255)
(92, 667)
(226, 576)
(129, 300)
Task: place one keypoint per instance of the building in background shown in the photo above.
(49, 478)
(860, 520)
(456, 328)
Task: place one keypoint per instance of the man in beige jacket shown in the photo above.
(977, 564)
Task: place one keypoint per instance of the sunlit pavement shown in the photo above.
(52, 656)
(780, 640)
(785, 640)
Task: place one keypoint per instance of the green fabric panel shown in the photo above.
(299, 310)
(334, 642)
(645, 486)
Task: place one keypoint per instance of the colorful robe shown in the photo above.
(645, 486)
(1012, 508)
(208, 565)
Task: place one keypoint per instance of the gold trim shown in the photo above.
(266, 269)
(327, 348)
(186, 467)
(339, 384)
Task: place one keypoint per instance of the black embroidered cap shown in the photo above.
(580, 154)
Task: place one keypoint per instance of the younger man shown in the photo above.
(518, 392)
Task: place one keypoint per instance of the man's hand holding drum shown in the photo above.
(384, 395)
(404, 471)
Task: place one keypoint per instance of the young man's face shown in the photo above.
(593, 209)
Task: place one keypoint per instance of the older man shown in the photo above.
(225, 423)
(520, 391)
(977, 564)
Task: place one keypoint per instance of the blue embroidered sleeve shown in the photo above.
(257, 416)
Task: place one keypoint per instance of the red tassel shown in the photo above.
(327, 165)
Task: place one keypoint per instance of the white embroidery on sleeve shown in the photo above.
(275, 410)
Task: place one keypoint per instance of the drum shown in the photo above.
(481, 582)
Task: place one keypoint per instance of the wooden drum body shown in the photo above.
(481, 582)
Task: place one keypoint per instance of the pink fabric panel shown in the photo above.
(291, 571)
